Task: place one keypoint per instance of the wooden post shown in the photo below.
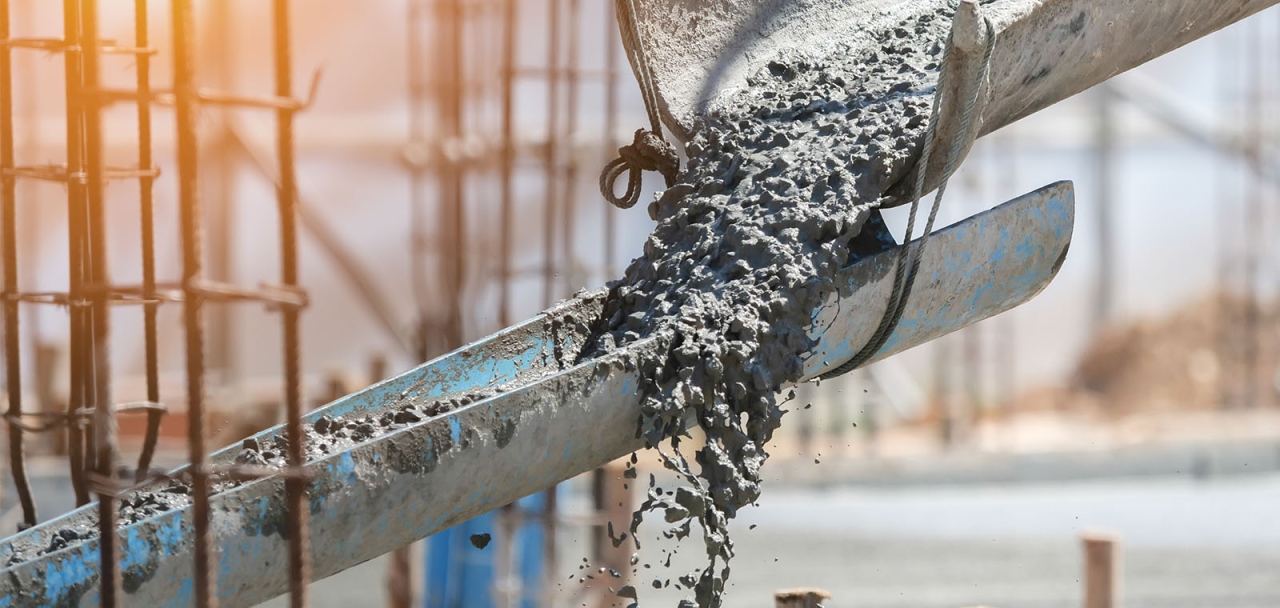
(1101, 571)
(800, 598)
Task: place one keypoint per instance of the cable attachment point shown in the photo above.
(648, 152)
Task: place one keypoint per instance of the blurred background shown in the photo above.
(448, 188)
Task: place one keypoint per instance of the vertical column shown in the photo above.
(185, 111)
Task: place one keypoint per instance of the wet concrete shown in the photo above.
(781, 179)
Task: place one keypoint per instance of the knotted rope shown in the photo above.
(649, 151)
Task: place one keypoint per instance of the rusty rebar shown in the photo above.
(192, 268)
(507, 161)
(416, 160)
(552, 153)
(451, 175)
(611, 43)
(12, 343)
(569, 198)
(147, 210)
(286, 197)
(80, 360)
(104, 418)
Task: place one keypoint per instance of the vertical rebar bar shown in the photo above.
(610, 130)
(1253, 219)
(287, 194)
(551, 153)
(942, 390)
(146, 205)
(185, 111)
(104, 419)
(417, 162)
(555, 188)
(1225, 320)
(80, 364)
(452, 206)
(12, 344)
(506, 164)
(568, 240)
(1104, 296)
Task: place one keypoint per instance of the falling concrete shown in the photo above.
(781, 177)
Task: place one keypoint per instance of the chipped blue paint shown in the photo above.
(977, 268)
(455, 429)
(592, 426)
(69, 570)
(135, 551)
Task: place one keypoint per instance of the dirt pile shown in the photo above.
(1185, 360)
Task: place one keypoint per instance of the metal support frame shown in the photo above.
(94, 456)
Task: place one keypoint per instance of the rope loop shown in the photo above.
(648, 152)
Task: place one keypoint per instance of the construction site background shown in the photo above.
(1155, 354)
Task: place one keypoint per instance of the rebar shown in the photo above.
(12, 343)
(507, 162)
(451, 176)
(287, 195)
(551, 154)
(81, 393)
(416, 161)
(610, 130)
(192, 271)
(105, 441)
(568, 240)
